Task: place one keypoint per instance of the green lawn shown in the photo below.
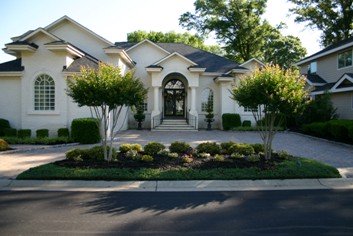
(289, 169)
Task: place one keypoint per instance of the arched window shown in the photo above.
(44, 93)
(206, 97)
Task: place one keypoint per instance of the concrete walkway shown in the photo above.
(174, 186)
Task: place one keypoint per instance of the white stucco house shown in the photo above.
(180, 78)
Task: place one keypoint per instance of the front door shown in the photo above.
(174, 102)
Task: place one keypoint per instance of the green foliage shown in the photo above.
(230, 121)
(42, 133)
(85, 130)
(253, 158)
(209, 147)
(173, 155)
(339, 130)
(125, 147)
(132, 154)
(246, 123)
(203, 155)
(237, 156)
(152, 148)
(10, 132)
(4, 124)
(173, 37)
(147, 158)
(63, 132)
(242, 148)
(186, 159)
(24, 133)
(92, 154)
(319, 109)
(277, 92)
(219, 158)
(258, 147)
(225, 147)
(4, 145)
(333, 17)
(239, 25)
(179, 147)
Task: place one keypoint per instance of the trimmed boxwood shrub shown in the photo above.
(85, 130)
(208, 147)
(91, 154)
(179, 147)
(4, 124)
(338, 129)
(24, 133)
(152, 148)
(258, 147)
(246, 123)
(10, 132)
(4, 145)
(63, 132)
(225, 146)
(230, 121)
(125, 147)
(242, 148)
(42, 133)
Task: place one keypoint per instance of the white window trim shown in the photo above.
(343, 68)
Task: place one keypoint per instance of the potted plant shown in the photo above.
(209, 116)
(139, 116)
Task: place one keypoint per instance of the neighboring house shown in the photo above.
(180, 78)
(331, 70)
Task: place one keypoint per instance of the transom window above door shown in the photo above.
(174, 84)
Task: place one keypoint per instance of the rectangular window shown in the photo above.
(248, 109)
(345, 59)
(145, 106)
(313, 67)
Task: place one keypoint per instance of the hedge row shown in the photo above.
(339, 130)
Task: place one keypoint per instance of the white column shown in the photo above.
(193, 101)
(155, 101)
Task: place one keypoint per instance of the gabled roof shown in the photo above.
(14, 65)
(204, 59)
(177, 55)
(135, 45)
(315, 79)
(253, 59)
(344, 84)
(328, 50)
(57, 22)
(23, 43)
(38, 30)
(80, 62)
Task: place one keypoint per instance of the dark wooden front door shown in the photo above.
(174, 102)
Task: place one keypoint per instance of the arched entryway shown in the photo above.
(174, 96)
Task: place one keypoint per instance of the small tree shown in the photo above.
(271, 92)
(106, 91)
(209, 109)
(139, 116)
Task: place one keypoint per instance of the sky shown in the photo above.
(113, 19)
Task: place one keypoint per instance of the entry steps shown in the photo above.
(174, 125)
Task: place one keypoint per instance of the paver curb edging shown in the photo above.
(174, 186)
(39, 148)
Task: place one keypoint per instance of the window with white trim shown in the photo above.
(345, 59)
(313, 67)
(145, 106)
(44, 93)
(206, 96)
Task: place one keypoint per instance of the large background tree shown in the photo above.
(238, 25)
(106, 91)
(173, 37)
(271, 93)
(333, 17)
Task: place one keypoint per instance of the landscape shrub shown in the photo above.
(319, 129)
(186, 159)
(236, 156)
(42, 133)
(246, 123)
(338, 129)
(258, 147)
(132, 154)
(125, 147)
(63, 132)
(253, 158)
(85, 130)
(152, 148)
(34, 141)
(209, 147)
(242, 148)
(10, 132)
(179, 147)
(230, 120)
(24, 133)
(92, 154)
(173, 155)
(147, 158)
(4, 124)
(350, 132)
(4, 145)
(219, 158)
(225, 147)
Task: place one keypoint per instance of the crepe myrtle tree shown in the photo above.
(271, 92)
(106, 91)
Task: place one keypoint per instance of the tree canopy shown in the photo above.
(238, 25)
(271, 93)
(334, 18)
(106, 91)
(173, 37)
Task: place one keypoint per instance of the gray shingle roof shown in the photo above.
(14, 65)
(210, 61)
(325, 87)
(82, 61)
(314, 78)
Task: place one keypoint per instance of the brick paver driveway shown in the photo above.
(338, 155)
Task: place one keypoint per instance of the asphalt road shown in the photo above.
(309, 212)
